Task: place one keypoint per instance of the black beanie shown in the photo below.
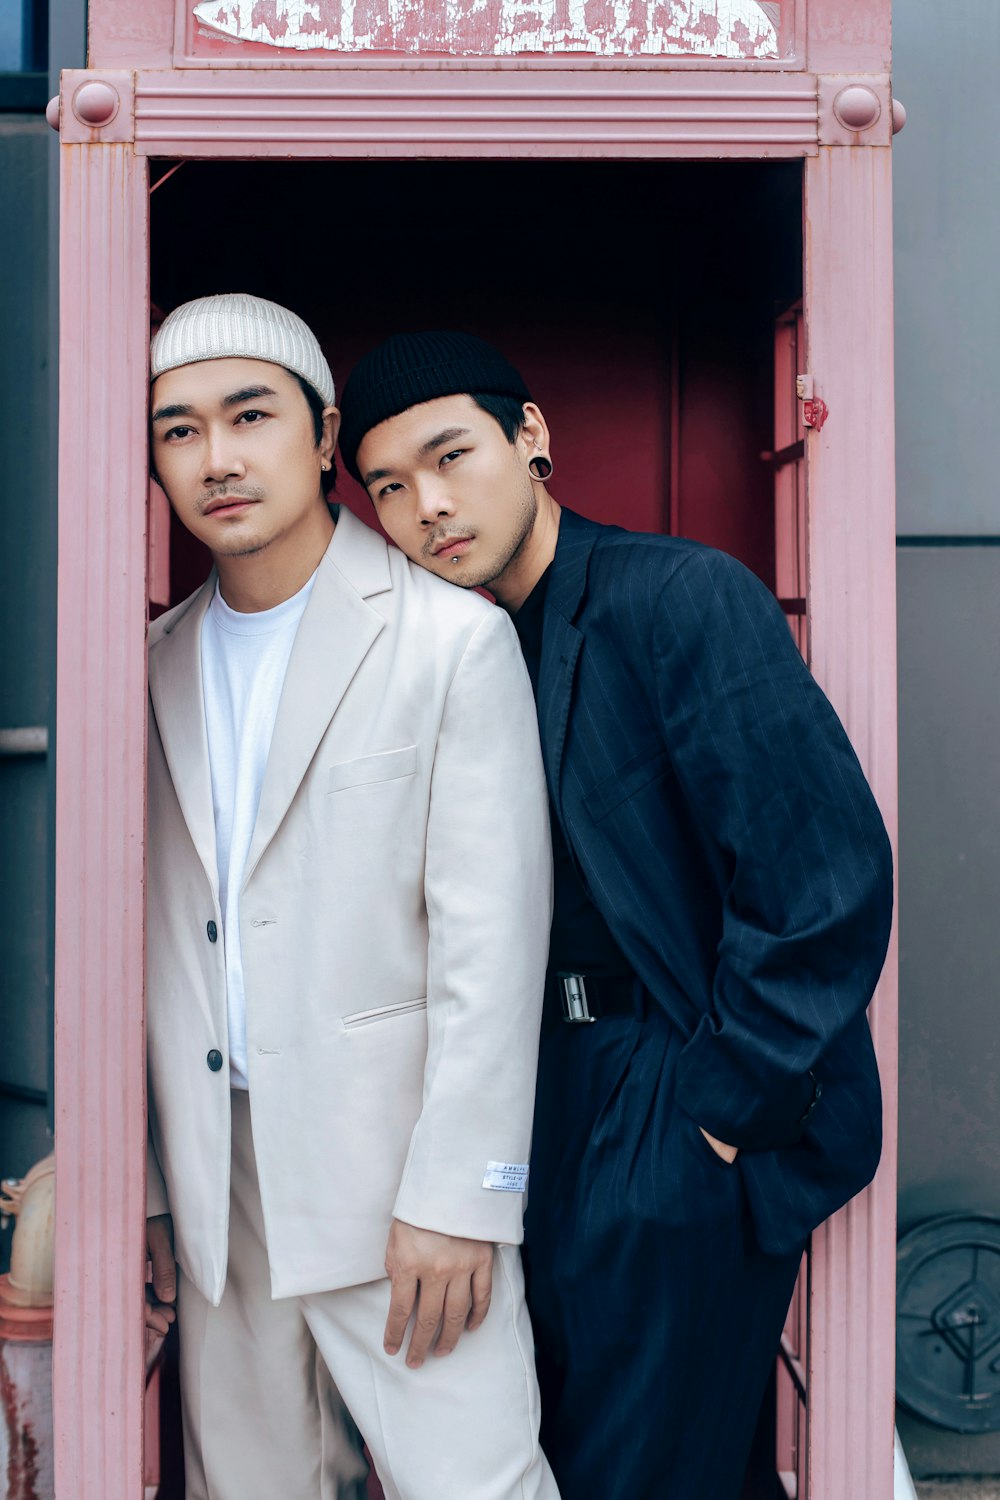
(410, 368)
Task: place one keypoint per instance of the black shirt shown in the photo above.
(581, 940)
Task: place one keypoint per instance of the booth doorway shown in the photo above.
(650, 306)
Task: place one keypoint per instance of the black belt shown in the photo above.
(586, 997)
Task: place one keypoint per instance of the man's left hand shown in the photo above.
(728, 1153)
(448, 1283)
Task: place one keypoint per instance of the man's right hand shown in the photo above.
(161, 1295)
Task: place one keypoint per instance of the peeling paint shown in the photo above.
(26, 1421)
(502, 28)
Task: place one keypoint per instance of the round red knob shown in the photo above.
(857, 107)
(52, 112)
(95, 103)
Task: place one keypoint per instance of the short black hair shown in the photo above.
(506, 410)
(329, 476)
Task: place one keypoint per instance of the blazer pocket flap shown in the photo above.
(648, 764)
(383, 1013)
(386, 765)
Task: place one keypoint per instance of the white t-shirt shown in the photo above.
(244, 658)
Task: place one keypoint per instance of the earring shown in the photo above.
(540, 468)
(324, 466)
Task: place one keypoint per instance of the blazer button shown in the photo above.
(214, 1060)
(213, 932)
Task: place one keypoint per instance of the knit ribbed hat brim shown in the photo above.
(234, 325)
(411, 368)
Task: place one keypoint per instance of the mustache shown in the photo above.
(441, 539)
(229, 492)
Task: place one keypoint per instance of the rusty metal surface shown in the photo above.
(26, 1420)
(713, 28)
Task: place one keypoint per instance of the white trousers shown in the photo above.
(272, 1390)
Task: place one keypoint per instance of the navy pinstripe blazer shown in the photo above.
(723, 826)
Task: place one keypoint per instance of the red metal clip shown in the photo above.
(814, 412)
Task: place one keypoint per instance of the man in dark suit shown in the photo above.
(707, 1090)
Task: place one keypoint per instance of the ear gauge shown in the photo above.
(540, 467)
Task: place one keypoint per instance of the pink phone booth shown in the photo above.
(675, 218)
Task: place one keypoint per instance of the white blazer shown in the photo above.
(394, 920)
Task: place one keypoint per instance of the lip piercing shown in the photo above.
(456, 558)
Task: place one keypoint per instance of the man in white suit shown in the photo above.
(348, 908)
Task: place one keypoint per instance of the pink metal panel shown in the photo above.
(849, 36)
(856, 110)
(96, 109)
(850, 465)
(151, 1431)
(311, 33)
(395, 108)
(791, 1445)
(159, 547)
(98, 1357)
(382, 113)
(790, 563)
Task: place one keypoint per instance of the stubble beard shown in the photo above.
(240, 546)
(243, 549)
(493, 568)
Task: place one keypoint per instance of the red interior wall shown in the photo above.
(607, 284)
(610, 462)
(725, 491)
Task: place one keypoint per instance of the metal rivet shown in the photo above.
(95, 103)
(857, 107)
(52, 112)
(898, 116)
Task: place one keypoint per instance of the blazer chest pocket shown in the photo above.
(382, 1013)
(386, 765)
(647, 765)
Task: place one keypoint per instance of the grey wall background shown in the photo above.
(947, 233)
(27, 677)
(29, 202)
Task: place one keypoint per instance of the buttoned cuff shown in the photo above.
(741, 1095)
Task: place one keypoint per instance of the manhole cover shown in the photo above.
(948, 1323)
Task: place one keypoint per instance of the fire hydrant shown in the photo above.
(26, 1446)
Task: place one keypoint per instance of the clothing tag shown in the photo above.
(506, 1176)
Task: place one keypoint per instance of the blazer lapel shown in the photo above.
(177, 694)
(560, 648)
(561, 640)
(335, 635)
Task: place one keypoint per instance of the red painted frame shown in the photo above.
(841, 1353)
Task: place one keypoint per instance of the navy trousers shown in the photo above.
(657, 1318)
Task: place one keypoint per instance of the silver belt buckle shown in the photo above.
(573, 994)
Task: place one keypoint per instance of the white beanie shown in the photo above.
(237, 326)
